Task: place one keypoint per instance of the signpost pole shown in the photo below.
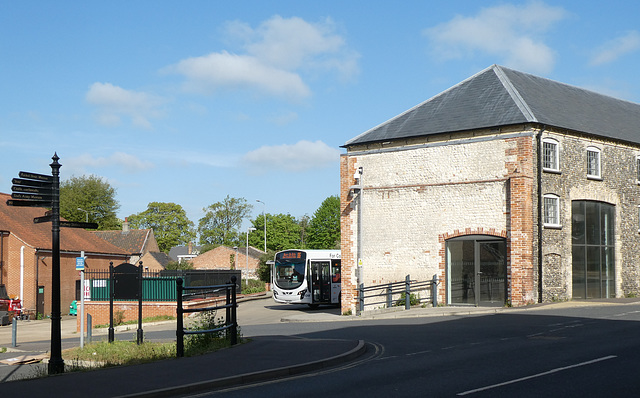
(56, 363)
(81, 298)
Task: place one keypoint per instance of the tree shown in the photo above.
(89, 198)
(324, 227)
(264, 269)
(283, 232)
(169, 222)
(179, 265)
(222, 220)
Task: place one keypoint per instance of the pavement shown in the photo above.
(250, 362)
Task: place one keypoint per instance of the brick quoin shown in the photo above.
(347, 238)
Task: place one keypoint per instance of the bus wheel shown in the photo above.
(313, 306)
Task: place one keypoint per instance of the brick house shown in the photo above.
(223, 257)
(141, 243)
(511, 188)
(26, 257)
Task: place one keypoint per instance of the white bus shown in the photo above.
(306, 277)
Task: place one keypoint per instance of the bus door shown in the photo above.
(321, 281)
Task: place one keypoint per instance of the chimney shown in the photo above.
(190, 248)
(125, 226)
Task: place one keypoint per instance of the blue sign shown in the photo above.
(80, 263)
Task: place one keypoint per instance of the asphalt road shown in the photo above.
(566, 351)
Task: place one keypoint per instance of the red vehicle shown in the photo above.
(9, 308)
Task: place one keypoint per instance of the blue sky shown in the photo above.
(188, 102)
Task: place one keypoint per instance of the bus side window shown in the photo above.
(336, 275)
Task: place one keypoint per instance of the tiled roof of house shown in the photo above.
(133, 240)
(499, 96)
(19, 221)
(162, 258)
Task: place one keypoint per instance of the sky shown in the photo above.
(188, 102)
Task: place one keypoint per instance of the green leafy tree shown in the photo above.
(169, 222)
(179, 265)
(222, 220)
(324, 227)
(89, 198)
(283, 232)
(264, 269)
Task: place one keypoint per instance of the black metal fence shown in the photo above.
(160, 285)
(192, 292)
(400, 293)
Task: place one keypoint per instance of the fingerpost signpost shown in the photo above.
(41, 190)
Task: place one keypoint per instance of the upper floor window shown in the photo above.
(593, 162)
(550, 154)
(551, 210)
(638, 169)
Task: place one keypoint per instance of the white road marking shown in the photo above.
(538, 375)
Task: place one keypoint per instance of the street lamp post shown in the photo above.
(246, 274)
(86, 212)
(264, 215)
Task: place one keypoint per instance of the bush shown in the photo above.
(253, 286)
(196, 344)
(413, 300)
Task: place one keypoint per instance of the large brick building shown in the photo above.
(511, 188)
(26, 258)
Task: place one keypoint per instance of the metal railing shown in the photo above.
(395, 294)
(230, 323)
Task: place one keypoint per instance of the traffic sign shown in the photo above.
(39, 220)
(34, 190)
(29, 203)
(35, 176)
(75, 224)
(80, 263)
(31, 183)
(26, 196)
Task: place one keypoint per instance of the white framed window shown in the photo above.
(593, 163)
(550, 154)
(552, 211)
(638, 169)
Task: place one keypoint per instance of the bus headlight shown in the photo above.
(302, 293)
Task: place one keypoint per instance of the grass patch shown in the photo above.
(120, 353)
(118, 322)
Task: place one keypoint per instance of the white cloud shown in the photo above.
(616, 48)
(299, 157)
(113, 102)
(512, 33)
(272, 59)
(126, 162)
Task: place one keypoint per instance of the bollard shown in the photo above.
(88, 328)
(361, 298)
(389, 295)
(407, 293)
(434, 290)
(14, 333)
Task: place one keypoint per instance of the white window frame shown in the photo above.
(556, 154)
(551, 220)
(598, 173)
(638, 169)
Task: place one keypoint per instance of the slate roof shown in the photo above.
(19, 221)
(499, 96)
(133, 240)
(162, 258)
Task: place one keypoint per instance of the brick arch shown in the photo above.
(442, 239)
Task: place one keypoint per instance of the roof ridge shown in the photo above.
(514, 94)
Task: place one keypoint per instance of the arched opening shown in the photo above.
(476, 270)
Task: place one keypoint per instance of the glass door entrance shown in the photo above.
(476, 271)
